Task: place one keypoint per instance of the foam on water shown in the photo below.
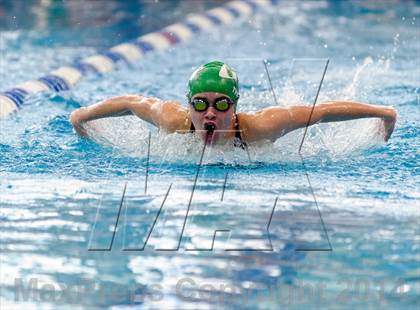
(334, 140)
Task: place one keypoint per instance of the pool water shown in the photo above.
(333, 227)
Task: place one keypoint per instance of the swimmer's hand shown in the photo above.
(76, 118)
(389, 122)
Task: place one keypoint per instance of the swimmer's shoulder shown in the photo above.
(173, 116)
(259, 125)
(245, 121)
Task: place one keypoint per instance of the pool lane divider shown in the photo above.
(64, 78)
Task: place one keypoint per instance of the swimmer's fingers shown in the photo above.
(389, 126)
(81, 131)
(76, 119)
(389, 123)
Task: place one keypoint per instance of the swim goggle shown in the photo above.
(202, 104)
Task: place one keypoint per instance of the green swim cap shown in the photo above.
(216, 77)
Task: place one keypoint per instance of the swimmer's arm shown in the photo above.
(274, 122)
(147, 108)
(112, 107)
(334, 111)
(301, 116)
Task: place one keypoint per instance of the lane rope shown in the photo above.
(64, 78)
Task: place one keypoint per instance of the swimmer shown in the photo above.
(213, 96)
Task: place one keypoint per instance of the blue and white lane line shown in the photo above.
(64, 78)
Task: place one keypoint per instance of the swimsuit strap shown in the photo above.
(239, 142)
(236, 126)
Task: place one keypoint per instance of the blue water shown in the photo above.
(60, 195)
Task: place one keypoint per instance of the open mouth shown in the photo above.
(210, 128)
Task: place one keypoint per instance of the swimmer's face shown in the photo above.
(221, 121)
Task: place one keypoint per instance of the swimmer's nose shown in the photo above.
(210, 113)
